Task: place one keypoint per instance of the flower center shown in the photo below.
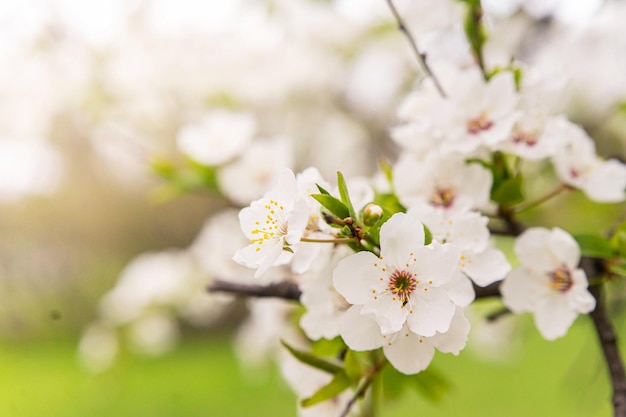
(443, 197)
(272, 227)
(561, 279)
(479, 124)
(402, 284)
(525, 137)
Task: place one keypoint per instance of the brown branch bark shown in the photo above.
(286, 290)
(608, 339)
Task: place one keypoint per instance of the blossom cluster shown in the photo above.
(389, 263)
(463, 137)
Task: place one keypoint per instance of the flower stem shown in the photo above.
(363, 387)
(335, 240)
(553, 193)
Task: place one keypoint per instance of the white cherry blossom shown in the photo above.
(534, 136)
(480, 113)
(246, 178)
(548, 283)
(445, 181)
(577, 165)
(474, 114)
(405, 284)
(468, 232)
(219, 137)
(273, 224)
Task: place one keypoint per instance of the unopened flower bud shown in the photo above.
(371, 214)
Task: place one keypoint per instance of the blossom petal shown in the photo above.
(564, 247)
(521, 290)
(436, 263)
(388, 312)
(432, 313)
(358, 331)
(486, 267)
(545, 250)
(355, 275)
(455, 339)
(460, 289)
(285, 189)
(409, 353)
(399, 236)
(554, 317)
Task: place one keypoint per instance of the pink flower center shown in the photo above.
(402, 284)
(561, 279)
(525, 137)
(443, 197)
(479, 124)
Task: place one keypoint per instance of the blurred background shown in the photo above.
(104, 220)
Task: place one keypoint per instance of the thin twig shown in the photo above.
(421, 57)
(552, 193)
(498, 314)
(362, 390)
(334, 240)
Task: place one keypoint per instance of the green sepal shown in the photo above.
(345, 197)
(595, 246)
(333, 205)
(336, 386)
(312, 360)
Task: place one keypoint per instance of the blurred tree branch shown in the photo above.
(607, 338)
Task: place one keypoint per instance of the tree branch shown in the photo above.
(607, 339)
(421, 57)
(491, 290)
(286, 290)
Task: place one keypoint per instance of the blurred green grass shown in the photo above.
(203, 379)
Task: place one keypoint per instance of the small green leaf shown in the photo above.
(509, 191)
(312, 360)
(429, 383)
(428, 236)
(389, 203)
(618, 241)
(595, 246)
(329, 348)
(345, 197)
(322, 189)
(352, 365)
(385, 166)
(475, 30)
(336, 386)
(333, 205)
